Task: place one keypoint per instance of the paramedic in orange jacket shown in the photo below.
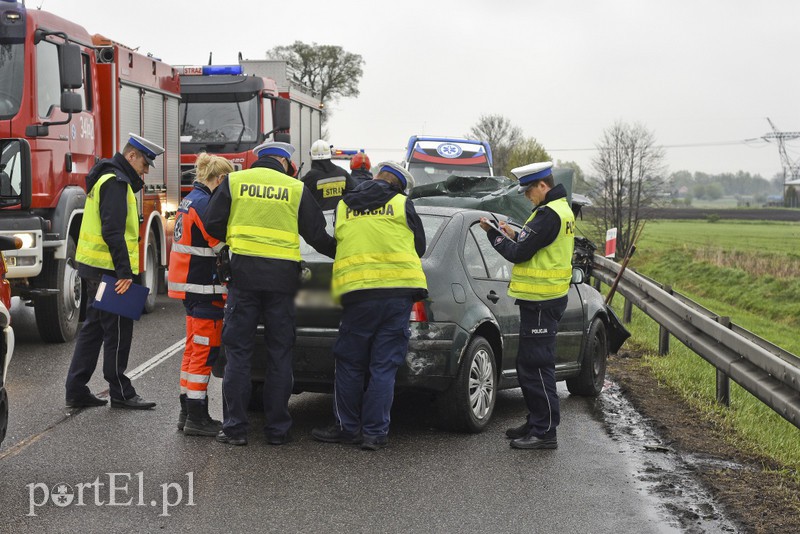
(192, 277)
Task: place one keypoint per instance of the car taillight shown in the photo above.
(418, 313)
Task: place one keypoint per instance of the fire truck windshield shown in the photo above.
(11, 77)
(218, 122)
(428, 173)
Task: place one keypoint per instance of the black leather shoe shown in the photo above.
(518, 431)
(134, 403)
(374, 443)
(334, 434)
(222, 437)
(535, 442)
(89, 401)
(279, 439)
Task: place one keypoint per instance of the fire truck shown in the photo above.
(226, 112)
(67, 99)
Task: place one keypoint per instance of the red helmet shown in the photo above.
(360, 161)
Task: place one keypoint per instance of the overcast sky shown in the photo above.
(702, 75)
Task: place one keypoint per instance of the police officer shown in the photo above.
(326, 181)
(260, 213)
(109, 244)
(192, 278)
(540, 278)
(377, 275)
(359, 168)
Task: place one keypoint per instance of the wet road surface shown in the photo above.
(100, 469)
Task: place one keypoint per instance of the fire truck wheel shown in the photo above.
(57, 316)
(151, 271)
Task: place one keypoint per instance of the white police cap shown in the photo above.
(274, 148)
(405, 177)
(149, 149)
(531, 173)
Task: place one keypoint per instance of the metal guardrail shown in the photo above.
(770, 373)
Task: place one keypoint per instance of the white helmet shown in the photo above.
(321, 149)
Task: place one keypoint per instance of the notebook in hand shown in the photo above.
(130, 304)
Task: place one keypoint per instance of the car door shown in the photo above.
(489, 275)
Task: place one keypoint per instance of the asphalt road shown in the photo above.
(601, 478)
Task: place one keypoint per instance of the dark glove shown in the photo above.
(224, 265)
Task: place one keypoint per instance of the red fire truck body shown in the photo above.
(68, 99)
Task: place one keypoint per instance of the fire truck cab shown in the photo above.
(228, 113)
(68, 99)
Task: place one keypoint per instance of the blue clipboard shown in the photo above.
(130, 304)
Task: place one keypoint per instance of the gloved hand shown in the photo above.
(224, 265)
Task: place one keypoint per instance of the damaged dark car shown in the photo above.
(464, 336)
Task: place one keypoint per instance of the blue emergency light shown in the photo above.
(211, 70)
(345, 152)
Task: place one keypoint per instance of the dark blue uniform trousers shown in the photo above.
(242, 312)
(536, 363)
(111, 332)
(373, 336)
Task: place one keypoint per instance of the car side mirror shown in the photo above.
(577, 276)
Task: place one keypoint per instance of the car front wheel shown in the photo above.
(468, 404)
(593, 363)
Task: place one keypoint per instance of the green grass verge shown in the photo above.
(749, 271)
(749, 424)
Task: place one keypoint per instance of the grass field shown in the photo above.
(749, 271)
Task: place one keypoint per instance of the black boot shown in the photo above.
(198, 422)
(182, 415)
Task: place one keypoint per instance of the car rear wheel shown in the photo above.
(468, 404)
(593, 363)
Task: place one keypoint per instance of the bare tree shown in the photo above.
(630, 177)
(501, 135)
(329, 71)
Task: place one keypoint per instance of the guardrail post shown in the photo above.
(597, 284)
(663, 333)
(627, 311)
(723, 381)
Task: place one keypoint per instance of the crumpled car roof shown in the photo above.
(491, 193)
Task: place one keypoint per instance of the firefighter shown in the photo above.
(542, 258)
(359, 168)
(377, 275)
(192, 278)
(109, 244)
(326, 181)
(261, 214)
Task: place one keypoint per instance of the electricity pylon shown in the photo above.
(791, 169)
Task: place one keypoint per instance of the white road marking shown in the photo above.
(158, 359)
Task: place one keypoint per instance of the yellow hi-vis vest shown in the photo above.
(92, 249)
(375, 249)
(264, 209)
(548, 273)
